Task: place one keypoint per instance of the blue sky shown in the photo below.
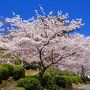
(25, 8)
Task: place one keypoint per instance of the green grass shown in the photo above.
(31, 72)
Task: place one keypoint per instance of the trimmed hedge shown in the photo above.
(4, 73)
(53, 78)
(48, 80)
(19, 72)
(63, 81)
(76, 79)
(7, 70)
(66, 81)
(9, 67)
(29, 83)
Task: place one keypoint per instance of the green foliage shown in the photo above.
(18, 72)
(85, 79)
(26, 65)
(79, 79)
(66, 80)
(19, 88)
(4, 73)
(6, 70)
(48, 80)
(7, 55)
(76, 79)
(54, 77)
(63, 81)
(9, 68)
(53, 71)
(66, 73)
(33, 65)
(29, 83)
(17, 62)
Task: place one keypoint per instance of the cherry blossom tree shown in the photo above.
(80, 58)
(45, 39)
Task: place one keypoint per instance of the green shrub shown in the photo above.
(53, 71)
(66, 80)
(26, 65)
(29, 83)
(63, 81)
(17, 62)
(48, 80)
(18, 72)
(85, 79)
(9, 68)
(76, 79)
(67, 73)
(3, 73)
(33, 65)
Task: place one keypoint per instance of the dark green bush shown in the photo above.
(33, 65)
(48, 80)
(26, 65)
(9, 68)
(18, 72)
(29, 83)
(66, 80)
(63, 81)
(85, 79)
(4, 73)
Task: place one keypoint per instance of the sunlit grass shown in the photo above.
(31, 72)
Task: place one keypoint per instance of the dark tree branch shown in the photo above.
(62, 57)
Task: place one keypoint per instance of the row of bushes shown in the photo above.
(32, 83)
(54, 77)
(51, 80)
(67, 81)
(7, 70)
